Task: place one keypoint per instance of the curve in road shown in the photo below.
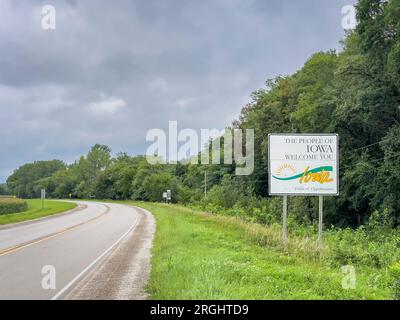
(67, 247)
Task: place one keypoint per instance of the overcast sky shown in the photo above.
(112, 70)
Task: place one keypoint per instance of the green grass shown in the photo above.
(202, 256)
(35, 211)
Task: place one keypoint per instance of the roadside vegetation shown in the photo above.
(202, 256)
(34, 210)
(12, 205)
(3, 189)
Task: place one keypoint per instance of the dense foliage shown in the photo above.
(355, 93)
(3, 189)
(25, 181)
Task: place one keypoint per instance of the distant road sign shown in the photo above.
(303, 164)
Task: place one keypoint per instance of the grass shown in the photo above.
(202, 256)
(35, 211)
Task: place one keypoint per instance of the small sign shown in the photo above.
(164, 195)
(303, 164)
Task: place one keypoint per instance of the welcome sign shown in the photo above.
(303, 164)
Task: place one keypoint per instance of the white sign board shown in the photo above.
(164, 195)
(303, 164)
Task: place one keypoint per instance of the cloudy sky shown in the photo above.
(112, 70)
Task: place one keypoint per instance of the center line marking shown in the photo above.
(56, 234)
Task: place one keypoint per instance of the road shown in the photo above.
(61, 250)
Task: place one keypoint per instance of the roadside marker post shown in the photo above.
(165, 196)
(43, 196)
(320, 224)
(284, 228)
(169, 196)
(205, 183)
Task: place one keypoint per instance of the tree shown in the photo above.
(121, 173)
(313, 88)
(155, 184)
(3, 189)
(23, 182)
(387, 185)
(98, 158)
(88, 169)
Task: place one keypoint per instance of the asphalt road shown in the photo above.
(68, 246)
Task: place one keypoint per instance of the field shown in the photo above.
(12, 205)
(35, 211)
(202, 256)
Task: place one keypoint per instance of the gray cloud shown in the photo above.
(114, 69)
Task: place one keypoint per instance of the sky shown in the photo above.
(111, 71)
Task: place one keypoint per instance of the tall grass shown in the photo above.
(372, 246)
(198, 255)
(12, 205)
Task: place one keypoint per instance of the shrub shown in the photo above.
(12, 205)
(395, 273)
(363, 247)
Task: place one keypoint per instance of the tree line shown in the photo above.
(354, 92)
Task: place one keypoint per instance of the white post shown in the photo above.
(165, 196)
(169, 196)
(43, 196)
(284, 228)
(320, 223)
(205, 183)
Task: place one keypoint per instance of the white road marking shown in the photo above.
(70, 284)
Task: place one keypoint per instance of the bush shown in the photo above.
(12, 205)
(395, 273)
(372, 248)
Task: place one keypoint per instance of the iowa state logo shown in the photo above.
(288, 172)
